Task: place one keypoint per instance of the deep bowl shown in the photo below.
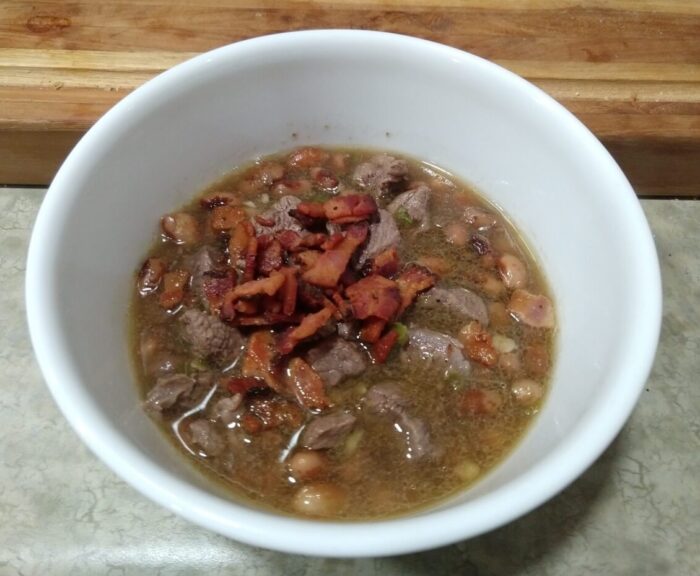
(184, 129)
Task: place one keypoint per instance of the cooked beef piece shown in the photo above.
(386, 398)
(348, 330)
(209, 337)
(414, 202)
(167, 391)
(438, 349)
(278, 214)
(458, 300)
(205, 260)
(335, 358)
(224, 409)
(381, 174)
(382, 236)
(205, 436)
(327, 431)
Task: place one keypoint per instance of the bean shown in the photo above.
(307, 464)
(457, 234)
(509, 363)
(307, 157)
(180, 227)
(467, 471)
(150, 275)
(532, 309)
(270, 172)
(319, 499)
(527, 392)
(513, 271)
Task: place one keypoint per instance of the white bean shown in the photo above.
(319, 499)
(307, 464)
(513, 271)
(527, 392)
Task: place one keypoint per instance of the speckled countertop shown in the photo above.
(634, 512)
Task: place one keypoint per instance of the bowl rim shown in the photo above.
(427, 529)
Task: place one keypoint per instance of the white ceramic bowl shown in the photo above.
(180, 131)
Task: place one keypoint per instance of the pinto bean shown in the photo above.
(479, 402)
(307, 464)
(527, 392)
(536, 360)
(270, 172)
(180, 227)
(150, 275)
(457, 234)
(532, 309)
(319, 499)
(307, 157)
(513, 271)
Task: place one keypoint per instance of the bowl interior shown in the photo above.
(180, 132)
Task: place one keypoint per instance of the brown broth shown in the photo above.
(371, 465)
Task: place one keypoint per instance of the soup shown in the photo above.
(342, 334)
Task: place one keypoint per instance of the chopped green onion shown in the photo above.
(402, 332)
(402, 217)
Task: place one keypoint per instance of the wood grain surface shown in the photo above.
(630, 70)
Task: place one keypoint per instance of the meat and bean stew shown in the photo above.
(342, 334)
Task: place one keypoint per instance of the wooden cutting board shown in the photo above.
(629, 69)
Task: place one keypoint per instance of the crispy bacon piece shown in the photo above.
(226, 217)
(372, 329)
(264, 221)
(350, 208)
(215, 285)
(374, 296)
(312, 210)
(270, 257)
(386, 263)
(238, 241)
(311, 324)
(292, 241)
(271, 304)
(246, 306)
(269, 286)
(413, 280)
(259, 360)
(306, 385)
(250, 258)
(268, 319)
(331, 264)
(332, 241)
(174, 285)
(241, 385)
(342, 304)
(307, 259)
(310, 296)
(383, 347)
(289, 290)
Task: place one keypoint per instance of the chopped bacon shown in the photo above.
(310, 296)
(241, 385)
(306, 385)
(307, 328)
(312, 210)
(174, 285)
(226, 217)
(374, 296)
(372, 329)
(332, 241)
(386, 263)
(289, 239)
(383, 347)
(215, 285)
(271, 304)
(269, 286)
(251, 258)
(246, 306)
(264, 221)
(413, 280)
(268, 319)
(331, 264)
(270, 257)
(350, 208)
(342, 304)
(259, 360)
(238, 242)
(289, 290)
